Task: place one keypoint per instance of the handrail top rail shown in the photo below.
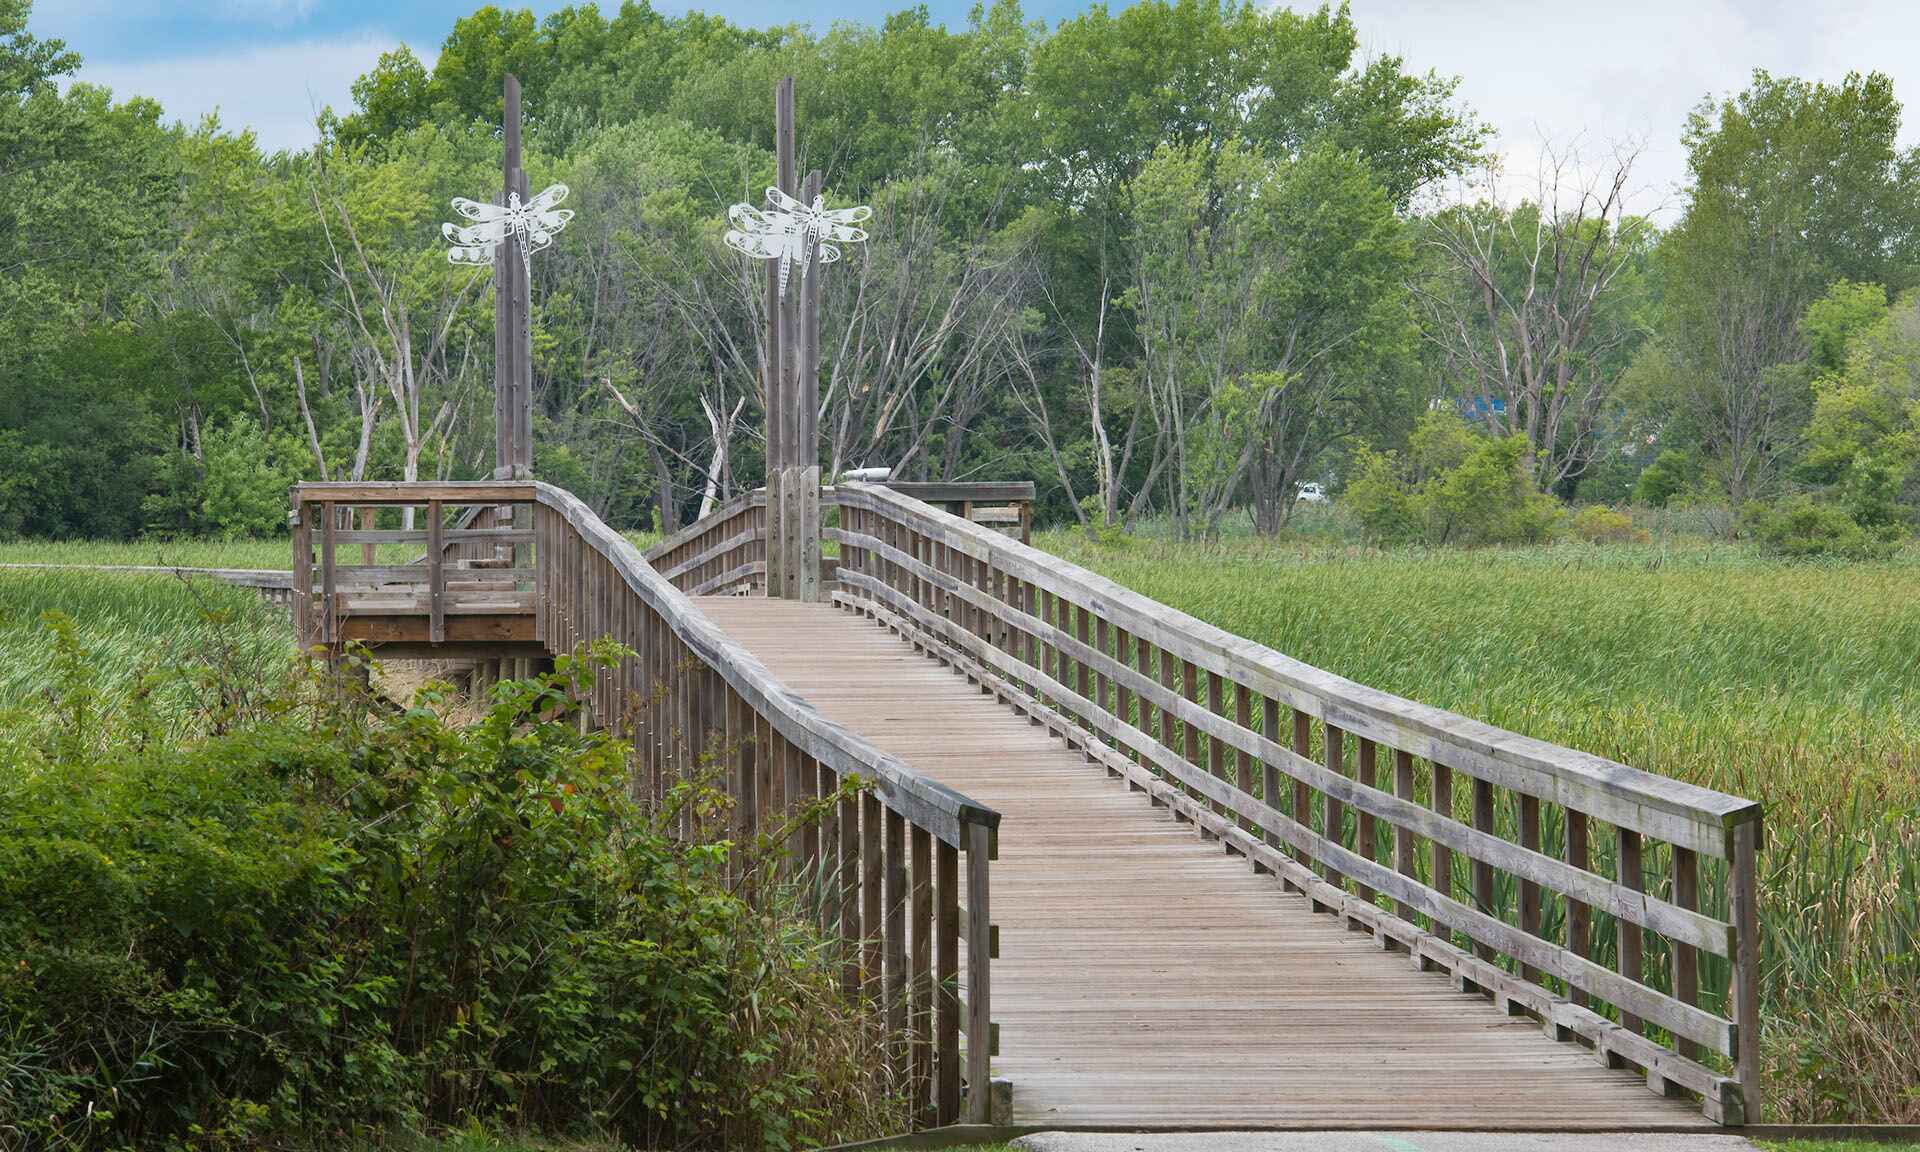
(414, 491)
(1447, 737)
(943, 811)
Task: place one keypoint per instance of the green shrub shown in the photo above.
(1489, 498)
(317, 930)
(1800, 526)
(1384, 504)
(1672, 473)
(1456, 488)
(1599, 524)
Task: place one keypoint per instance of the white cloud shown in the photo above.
(277, 90)
(1629, 71)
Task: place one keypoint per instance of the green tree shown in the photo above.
(1796, 184)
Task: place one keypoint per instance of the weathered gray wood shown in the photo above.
(436, 575)
(1579, 915)
(1483, 928)
(1433, 952)
(330, 620)
(978, 492)
(1743, 880)
(979, 978)
(1446, 833)
(1686, 959)
(1668, 809)
(399, 492)
(1632, 876)
(946, 936)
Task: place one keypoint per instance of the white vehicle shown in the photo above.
(1312, 494)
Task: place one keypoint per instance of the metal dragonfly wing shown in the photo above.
(793, 232)
(534, 222)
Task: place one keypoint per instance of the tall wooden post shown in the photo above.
(791, 379)
(512, 348)
(512, 319)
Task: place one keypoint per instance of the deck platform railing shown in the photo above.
(881, 871)
(1615, 907)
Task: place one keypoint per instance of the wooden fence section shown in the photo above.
(1616, 907)
(881, 871)
(724, 551)
(475, 584)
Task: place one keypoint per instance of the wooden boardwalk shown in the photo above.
(1148, 978)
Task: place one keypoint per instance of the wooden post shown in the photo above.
(512, 315)
(436, 577)
(302, 571)
(946, 978)
(1686, 960)
(1743, 878)
(979, 984)
(1631, 875)
(790, 378)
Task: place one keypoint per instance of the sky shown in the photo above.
(1583, 77)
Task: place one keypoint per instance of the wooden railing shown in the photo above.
(724, 551)
(882, 870)
(1520, 868)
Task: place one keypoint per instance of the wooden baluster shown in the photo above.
(1366, 771)
(979, 976)
(303, 608)
(1169, 678)
(946, 935)
(894, 927)
(1190, 688)
(1744, 892)
(852, 929)
(1216, 747)
(1529, 889)
(1483, 871)
(1242, 759)
(1270, 788)
(1405, 847)
(1336, 749)
(1632, 875)
(1579, 915)
(1103, 644)
(330, 594)
(1686, 958)
(436, 577)
(920, 994)
(1302, 798)
(872, 875)
(828, 865)
(1442, 855)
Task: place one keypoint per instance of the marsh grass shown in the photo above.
(1794, 684)
(179, 652)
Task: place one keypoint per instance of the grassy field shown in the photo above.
(273, 553)
(154, 640)
(1794, 684)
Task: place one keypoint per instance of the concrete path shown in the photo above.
(1381, 1142)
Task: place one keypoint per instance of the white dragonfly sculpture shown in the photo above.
(794, 233)
(534, 223)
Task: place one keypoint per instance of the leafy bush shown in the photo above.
(1456, 488)
(1799, 526)
(1381, 500)
(318, 929)
(1599, 524)
(1672, 473)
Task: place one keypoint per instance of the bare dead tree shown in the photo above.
(390, 355)
(1520, 308)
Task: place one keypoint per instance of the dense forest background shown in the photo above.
(1172, 261)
